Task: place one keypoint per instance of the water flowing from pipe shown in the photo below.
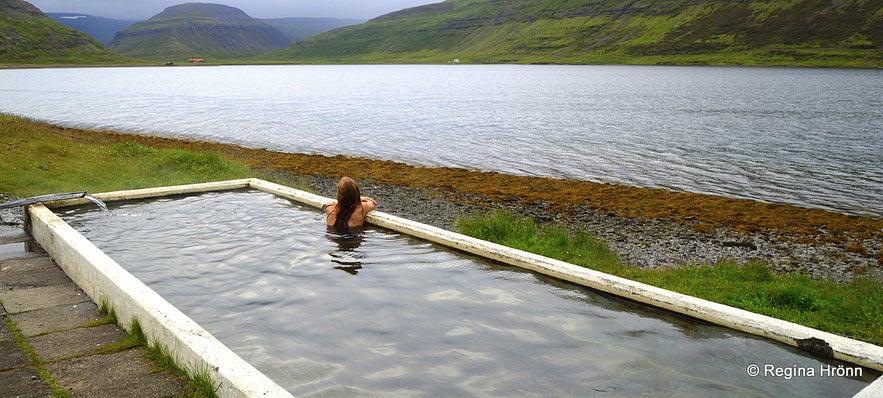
(98, 202)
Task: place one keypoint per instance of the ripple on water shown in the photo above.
(646, 126)
(416, 319)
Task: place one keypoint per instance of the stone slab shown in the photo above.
(118, 375)
(21, 300)
(23, 383)
(13, 236)
(7, 249)
(16, 250)
(26, 264)
(73, 342)
(12, 356)
(50, 276)
(5, 333)
(50, 312)
(63, 317)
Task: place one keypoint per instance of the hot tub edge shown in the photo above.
(103, 280)
(846, 349)
(843, 348)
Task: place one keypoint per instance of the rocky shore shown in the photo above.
(10, 217)
(642, 242)
(645, 227)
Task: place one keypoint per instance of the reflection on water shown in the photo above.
(348, 255)
(417, 320)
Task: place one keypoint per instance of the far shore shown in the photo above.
(152, 64)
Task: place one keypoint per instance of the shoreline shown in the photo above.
(641, 242)
(645, 227)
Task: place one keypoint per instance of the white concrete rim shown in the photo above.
(846, 349)
(104, 280)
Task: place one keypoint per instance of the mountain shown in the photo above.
(298, 28)
(202, 30)
(801, 32)
(28, 36)
(100, 28)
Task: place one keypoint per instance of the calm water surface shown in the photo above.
(812, 137)
(388, 315)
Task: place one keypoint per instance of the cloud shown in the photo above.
(143, 9)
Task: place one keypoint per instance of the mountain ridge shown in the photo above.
(101, 28)
(297, 28)
(760, 32)
(28, 36)
(198, 29)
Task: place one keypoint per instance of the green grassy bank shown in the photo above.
(853, 309)
(39, 158)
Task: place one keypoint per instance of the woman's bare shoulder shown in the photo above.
(328, 207)
(368, 204)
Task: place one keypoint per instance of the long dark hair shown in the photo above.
(348, 198)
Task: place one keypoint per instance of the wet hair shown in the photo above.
(348, 198)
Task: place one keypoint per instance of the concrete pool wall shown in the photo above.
(105, 281)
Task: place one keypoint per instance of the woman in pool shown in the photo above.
(350, 208)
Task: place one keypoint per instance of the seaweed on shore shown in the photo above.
(703, 212)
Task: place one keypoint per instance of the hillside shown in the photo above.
(787, 32)
(198, 30)
(100, 28)
(28, 36)
(296, 29)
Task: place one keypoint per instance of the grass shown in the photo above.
(199, 382)
(40, 41)
(39, 158)
(57, 390)
(617, 32)
(852, 309)
(110, 317)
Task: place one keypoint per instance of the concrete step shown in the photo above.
(9, 236)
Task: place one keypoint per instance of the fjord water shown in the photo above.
(388, 315)
(811, 137)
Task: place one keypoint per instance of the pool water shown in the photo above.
(385, 314)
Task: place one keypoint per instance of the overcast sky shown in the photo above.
(143, 9)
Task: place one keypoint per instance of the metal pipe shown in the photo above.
(42, 198)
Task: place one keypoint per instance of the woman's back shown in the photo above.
(356, 218)
(350, 208)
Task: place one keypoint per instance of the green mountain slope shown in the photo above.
(27, 36)
(792, 32)
(198, 30)
(299, 28)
